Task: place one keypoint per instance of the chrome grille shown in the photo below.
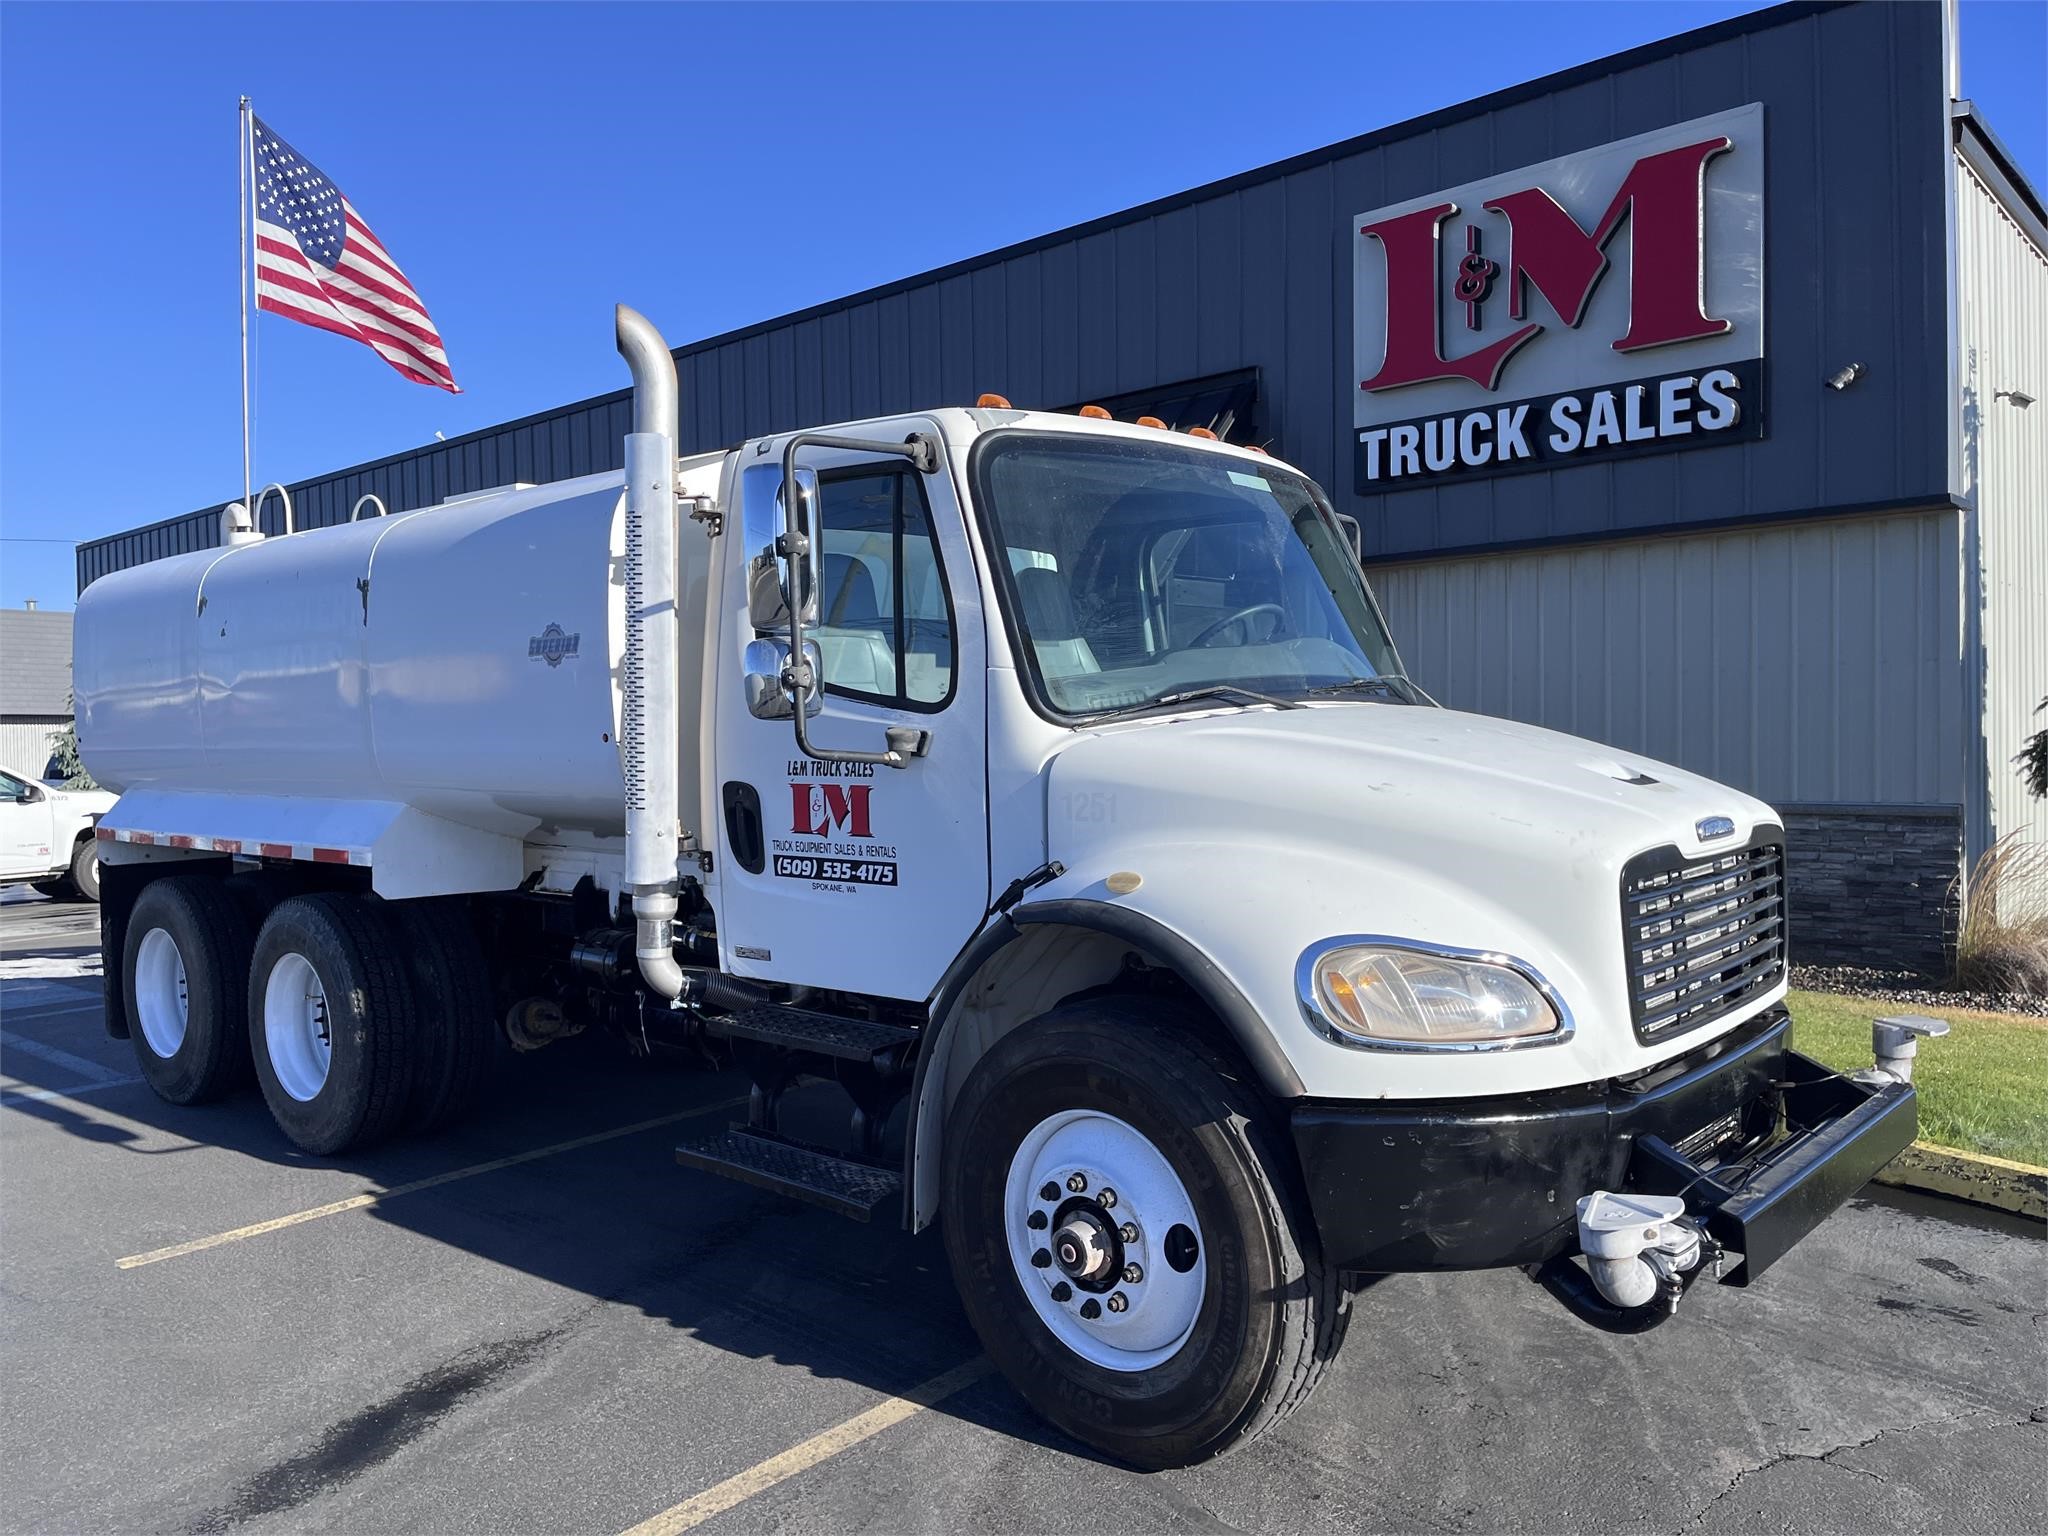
(1702, 936)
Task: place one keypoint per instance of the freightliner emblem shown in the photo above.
(1713, 827)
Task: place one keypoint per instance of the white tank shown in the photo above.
(462, 659)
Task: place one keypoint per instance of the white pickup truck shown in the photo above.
(1051, 785)
(46, 836)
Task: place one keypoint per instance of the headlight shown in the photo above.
(1397, 996)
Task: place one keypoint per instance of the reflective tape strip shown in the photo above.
(308, 853)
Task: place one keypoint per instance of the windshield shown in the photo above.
(1142, 572)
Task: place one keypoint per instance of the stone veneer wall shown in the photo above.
(1873, 885)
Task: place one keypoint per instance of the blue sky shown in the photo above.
(768, 158)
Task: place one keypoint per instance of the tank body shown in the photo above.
(463, 659)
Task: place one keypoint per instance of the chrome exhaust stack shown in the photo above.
(649, 731)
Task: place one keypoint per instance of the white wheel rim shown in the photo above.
(162, 1004)
(1146, 1305)
(295, 1027)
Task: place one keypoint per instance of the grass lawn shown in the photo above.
(1983, 1086)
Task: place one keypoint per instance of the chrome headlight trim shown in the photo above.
(1318, 1020)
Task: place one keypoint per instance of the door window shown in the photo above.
(885, 620)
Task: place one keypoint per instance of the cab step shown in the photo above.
(802, 1173)
(821, 1034)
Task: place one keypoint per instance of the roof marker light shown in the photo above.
(1255, 448)
(1204, 432)
(1094, 413)
(1151, 421)
(993, 402)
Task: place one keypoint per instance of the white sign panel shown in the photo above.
(1602, 303)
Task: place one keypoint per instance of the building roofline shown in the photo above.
(1987, 153)
(1647, 53)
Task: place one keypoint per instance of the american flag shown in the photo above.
(318, 263)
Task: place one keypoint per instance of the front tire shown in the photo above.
(184, 971)
(1188, 1312)
(333, 1024)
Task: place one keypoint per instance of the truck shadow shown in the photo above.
(616, 1220)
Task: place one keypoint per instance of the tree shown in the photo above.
(2033, 759)
(64, 753)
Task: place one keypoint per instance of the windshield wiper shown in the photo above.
(1213, 691)
(1387, 685)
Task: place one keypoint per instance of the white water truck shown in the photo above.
(1051, 785)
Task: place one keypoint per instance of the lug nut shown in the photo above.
(1040, 1259)
(1050, 1192)
(1118, 1302)
(1133, 1274)
(1091, 1309)
(1035, 1221)
(1128, 1232)
(1077, 1182)
(1107, 1197)
(1062, 1291)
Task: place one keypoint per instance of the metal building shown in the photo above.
(1688, 400)
(35, 686)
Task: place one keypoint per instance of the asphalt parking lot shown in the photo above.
(538, 1323)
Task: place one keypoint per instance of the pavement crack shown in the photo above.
(1827, 1456)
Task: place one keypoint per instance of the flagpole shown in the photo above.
(245, 165)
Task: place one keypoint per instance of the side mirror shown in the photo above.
(26, 795)
(768, 698)
(761, 526)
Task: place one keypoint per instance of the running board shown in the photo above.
(802, 1173)
(821, 1034)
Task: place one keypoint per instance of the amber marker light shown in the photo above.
(1204, 432)
(1094, 413)
(1151, 421)
(993, 402)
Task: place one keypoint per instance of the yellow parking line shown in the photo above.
(378, 1197)
(694, 1511)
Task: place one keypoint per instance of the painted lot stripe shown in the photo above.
(715, 1500)
(91, 1071)
(378, 1197)
(37, 1095)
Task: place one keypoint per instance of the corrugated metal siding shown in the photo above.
(25, 744)
(2003, 289)
(35, 662)
(1256, 274)
(1810, 662)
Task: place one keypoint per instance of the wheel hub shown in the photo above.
(1085, 1246)
(1093, 1211)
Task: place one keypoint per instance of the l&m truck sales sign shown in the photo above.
(1601, 304)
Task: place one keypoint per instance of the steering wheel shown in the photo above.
(1212, 631)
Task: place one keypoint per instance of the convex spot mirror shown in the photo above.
(767, 696)
(761, 525)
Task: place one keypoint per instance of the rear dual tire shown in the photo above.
(184, 968)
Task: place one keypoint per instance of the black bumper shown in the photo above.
(1762, 1143)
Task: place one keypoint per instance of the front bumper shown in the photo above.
(1761, 1142)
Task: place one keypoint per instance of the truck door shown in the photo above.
(25, 824)
(856, 876)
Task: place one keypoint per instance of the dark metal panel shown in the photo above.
(834, 373)
(863, 362)
(990, 353)
(782, 415)
(1023, 379)
(923, 347)
(1219, 285)
(1137, 320)
(956, 339)
(808, 339)
(1096, 315)
(759, 408)
(1059, 280)
(1174, 298)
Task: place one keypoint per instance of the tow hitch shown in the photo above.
(1644, 1248)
